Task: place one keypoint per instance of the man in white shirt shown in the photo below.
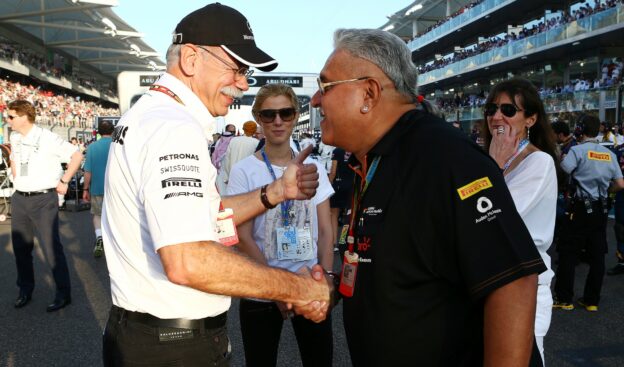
(240, 147)
(164, 223)
(37, 177)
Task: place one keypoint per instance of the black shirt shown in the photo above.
(439, 233)
(344, 174)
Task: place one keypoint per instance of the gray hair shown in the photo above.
(385, 50)
(173, 55)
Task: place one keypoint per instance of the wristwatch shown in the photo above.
(264, 199)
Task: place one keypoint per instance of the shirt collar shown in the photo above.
(32, 134)
(389, 141)
(191, 102)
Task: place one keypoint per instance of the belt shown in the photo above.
(153, 321)
(33, 193)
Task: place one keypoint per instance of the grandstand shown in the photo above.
(64, 56)
(572, 51)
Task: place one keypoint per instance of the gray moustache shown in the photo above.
(232, 92)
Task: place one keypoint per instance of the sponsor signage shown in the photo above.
(147, 80)
(598, 156)
(474, 187)
(259, 81)
(181, 181)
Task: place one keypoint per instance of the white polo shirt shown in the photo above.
(37, 158)
(159, 191)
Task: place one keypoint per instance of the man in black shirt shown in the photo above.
(441, 268)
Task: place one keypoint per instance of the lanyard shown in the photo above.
(358, 193)
(32, 149)
(523, 144)
(285, 205)
(167, 91)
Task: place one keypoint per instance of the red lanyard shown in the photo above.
(366, 176)
(167, 91)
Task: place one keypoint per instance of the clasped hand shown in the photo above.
(318, 302)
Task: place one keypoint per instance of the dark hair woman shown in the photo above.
(519, 138)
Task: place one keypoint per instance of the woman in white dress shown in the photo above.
(520, 139)
(291, 236)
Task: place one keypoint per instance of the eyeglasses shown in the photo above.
(243, 71)
(285, 114)
(323, 87)
(506, 109)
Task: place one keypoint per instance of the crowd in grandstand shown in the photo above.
(526, 31)
(54, 66)
(611, 75)
(54, 109)
(455, 14)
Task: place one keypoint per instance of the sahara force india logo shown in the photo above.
(474, 187)
(597, 156)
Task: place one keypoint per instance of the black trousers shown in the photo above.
(586, 231)
(38, 213)
(131, 344)
(261, 327)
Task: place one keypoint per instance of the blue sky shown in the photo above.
(296, 33)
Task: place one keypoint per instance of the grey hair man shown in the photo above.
(166, 228)
(436, 251)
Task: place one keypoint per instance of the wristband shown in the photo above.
(264, 199)
(64, 182)
(85, 189)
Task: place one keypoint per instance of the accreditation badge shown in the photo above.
(287, 243)
(24, 169)
(226, 230)
(305, 244)
(349, 272)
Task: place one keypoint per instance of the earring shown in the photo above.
(364, 109)
(528, 133)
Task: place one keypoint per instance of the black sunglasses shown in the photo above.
(506, 109)
(285, 114)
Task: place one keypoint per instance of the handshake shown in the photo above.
(316, 300)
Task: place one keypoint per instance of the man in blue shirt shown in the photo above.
(595, 173)
(95, 168)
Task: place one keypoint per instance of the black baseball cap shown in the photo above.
(220, 25)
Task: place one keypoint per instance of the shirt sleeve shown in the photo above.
(493, 246)
(325, 189)
(63, 149)
(180, 197)
(528, 188)
(238, 182)
(570, 161)
(88, 159)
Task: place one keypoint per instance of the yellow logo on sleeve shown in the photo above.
(598, 156)
(474, 187)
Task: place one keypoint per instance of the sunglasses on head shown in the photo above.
(285, 114)
(506, 109)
